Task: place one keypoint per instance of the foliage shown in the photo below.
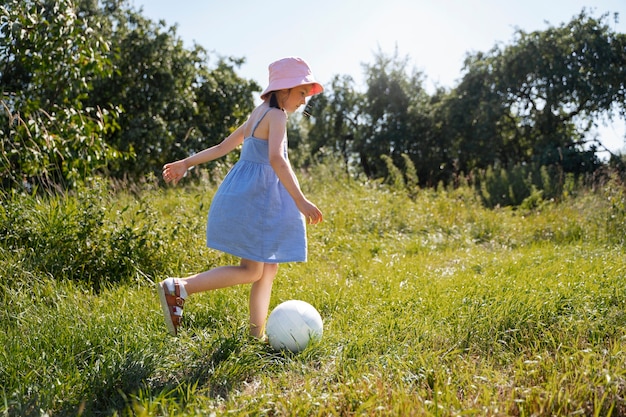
(537, 98)
(532, 102)
(73, 237)
(614, 190)
(89, 86)
(432, 305)
(387, 121)
(336, 120)
(95, 87)
(402, 181)
(174, 104)
(50, 54)
(477, 121)
(394, 113)
(524, 184)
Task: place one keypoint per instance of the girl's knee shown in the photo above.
(253, 269)
(258, 271)
(270, 269)
(269, 272)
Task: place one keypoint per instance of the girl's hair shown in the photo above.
(274, 101)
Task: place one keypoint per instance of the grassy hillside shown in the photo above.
(432, 305)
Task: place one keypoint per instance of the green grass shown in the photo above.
(432, 305)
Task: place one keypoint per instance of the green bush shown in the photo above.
(511, 186)
(73, 236)
(615, 193)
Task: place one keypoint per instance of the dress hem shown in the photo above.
(254, 257)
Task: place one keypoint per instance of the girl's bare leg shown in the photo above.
(260, 295)
(226, 276)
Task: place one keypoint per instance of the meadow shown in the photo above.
(433, 305)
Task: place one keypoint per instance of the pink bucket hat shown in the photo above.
(289, 73)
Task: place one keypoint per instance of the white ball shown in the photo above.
(292, 325)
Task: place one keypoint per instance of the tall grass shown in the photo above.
(432, 305)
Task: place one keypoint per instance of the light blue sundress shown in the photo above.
(252, 215)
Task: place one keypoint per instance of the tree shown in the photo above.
(50, 53)
(223, 99)
(432, 152)
(387, 99)
(90, 86)
(478, 119)
(393, 120)
(335, 120)
(397, 112)
(537, 99)
(173, 103)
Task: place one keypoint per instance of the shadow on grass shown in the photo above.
(211, 370)
(161, 379)
(166, 379)
(111, 385)
(105, 393)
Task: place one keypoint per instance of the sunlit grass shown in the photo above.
(432, 305)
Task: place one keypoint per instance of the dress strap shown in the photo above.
(259, 121)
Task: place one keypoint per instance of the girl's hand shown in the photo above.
(312, 214)
(175, 171)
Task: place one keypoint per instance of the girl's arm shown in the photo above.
(282, 167)
(175, 171)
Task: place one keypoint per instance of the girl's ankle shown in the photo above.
(169, 282)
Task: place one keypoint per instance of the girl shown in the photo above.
(258, 212)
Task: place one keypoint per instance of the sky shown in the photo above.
(337, 37)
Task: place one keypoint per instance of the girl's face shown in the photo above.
(293, 98)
